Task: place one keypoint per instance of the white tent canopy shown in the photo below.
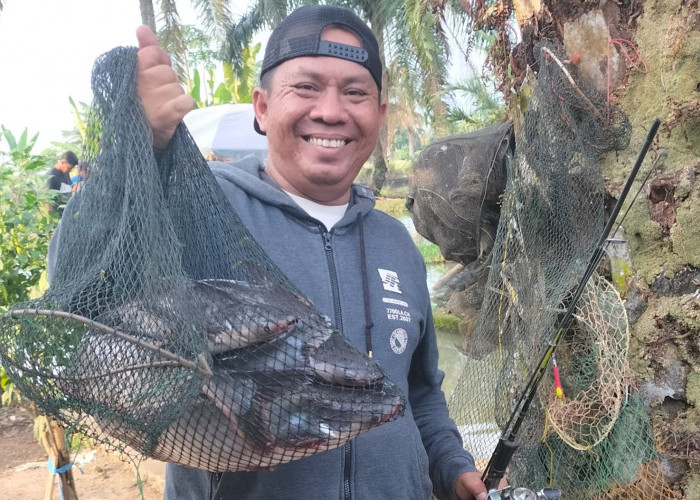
(226, 131)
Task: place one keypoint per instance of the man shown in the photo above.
(59, 180)
(319, 105)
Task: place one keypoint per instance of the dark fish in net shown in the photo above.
(265, 404)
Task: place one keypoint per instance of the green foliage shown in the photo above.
(401, 167)
(484, 106)
(81, 111)
(447, 322)
(25, 223)
(205, 84)
(393, 206)
(8, 393)
(430, 252)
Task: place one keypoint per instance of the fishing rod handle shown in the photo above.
(498, 464)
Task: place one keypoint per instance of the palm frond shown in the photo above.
(215, 17)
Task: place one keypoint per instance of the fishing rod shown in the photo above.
(507, 443)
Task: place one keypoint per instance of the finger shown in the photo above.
(182, 105)
(172, 111)
(145, 36)
(168, 117)
(155, 76)
(152, 55)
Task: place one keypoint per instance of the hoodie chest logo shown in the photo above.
(398, 340)
(390, 280)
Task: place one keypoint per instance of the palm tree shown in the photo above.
(148, 16)
(483, 106)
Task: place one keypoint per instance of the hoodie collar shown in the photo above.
(249, 175)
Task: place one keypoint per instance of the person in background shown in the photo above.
(80, 177)
(319, 103)
(59, 180)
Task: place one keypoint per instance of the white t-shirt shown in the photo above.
(328, 214)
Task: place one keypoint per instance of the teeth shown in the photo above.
(327, 143)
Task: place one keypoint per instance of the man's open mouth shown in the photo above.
(326, 143)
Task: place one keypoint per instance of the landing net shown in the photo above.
(167, 332)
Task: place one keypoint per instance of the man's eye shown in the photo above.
(305, 87)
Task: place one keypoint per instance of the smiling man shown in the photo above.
(319, 103)
(322, 117)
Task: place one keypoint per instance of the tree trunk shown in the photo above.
(439, 110)
(148, 16)
(379, 169)
(648, 65)
(664, 233)
(380, 154)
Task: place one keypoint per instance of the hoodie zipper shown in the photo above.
(339, 325)
(334, 279)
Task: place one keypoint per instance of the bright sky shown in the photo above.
(47, 49)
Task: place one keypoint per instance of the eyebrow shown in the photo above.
(318, 75)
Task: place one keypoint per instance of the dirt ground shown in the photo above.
(24, 474)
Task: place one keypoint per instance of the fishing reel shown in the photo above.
(510, 493)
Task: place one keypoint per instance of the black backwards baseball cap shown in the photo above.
(299, 35)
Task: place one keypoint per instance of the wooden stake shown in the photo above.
(54, 442)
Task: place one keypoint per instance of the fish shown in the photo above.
(312, 348)
(250, 421)
(312, 415)
(237, 314)
(232, 314)
(109, 375)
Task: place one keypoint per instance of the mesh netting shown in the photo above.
(166, 328)
(596, 441)
(456, 183)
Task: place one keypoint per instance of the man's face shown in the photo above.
(322, 118)
(63, 165)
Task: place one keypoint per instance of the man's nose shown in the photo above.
(329, 107)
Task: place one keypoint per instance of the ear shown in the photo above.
(382, 112)
(260, 99)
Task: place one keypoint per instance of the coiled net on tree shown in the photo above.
(166, 327)
(595, 441)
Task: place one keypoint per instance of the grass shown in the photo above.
(430, 252)
(396, 207)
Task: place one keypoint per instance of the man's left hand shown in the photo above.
(469, 486)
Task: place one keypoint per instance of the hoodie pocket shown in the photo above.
(421, 465)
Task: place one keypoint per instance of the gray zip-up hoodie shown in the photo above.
(416, 454)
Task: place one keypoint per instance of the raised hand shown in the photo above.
(164, 99)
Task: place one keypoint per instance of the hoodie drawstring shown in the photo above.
(365, 288)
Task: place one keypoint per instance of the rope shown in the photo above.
(57, 471)
(622, 43)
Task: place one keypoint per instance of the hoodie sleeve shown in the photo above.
(439, 433)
